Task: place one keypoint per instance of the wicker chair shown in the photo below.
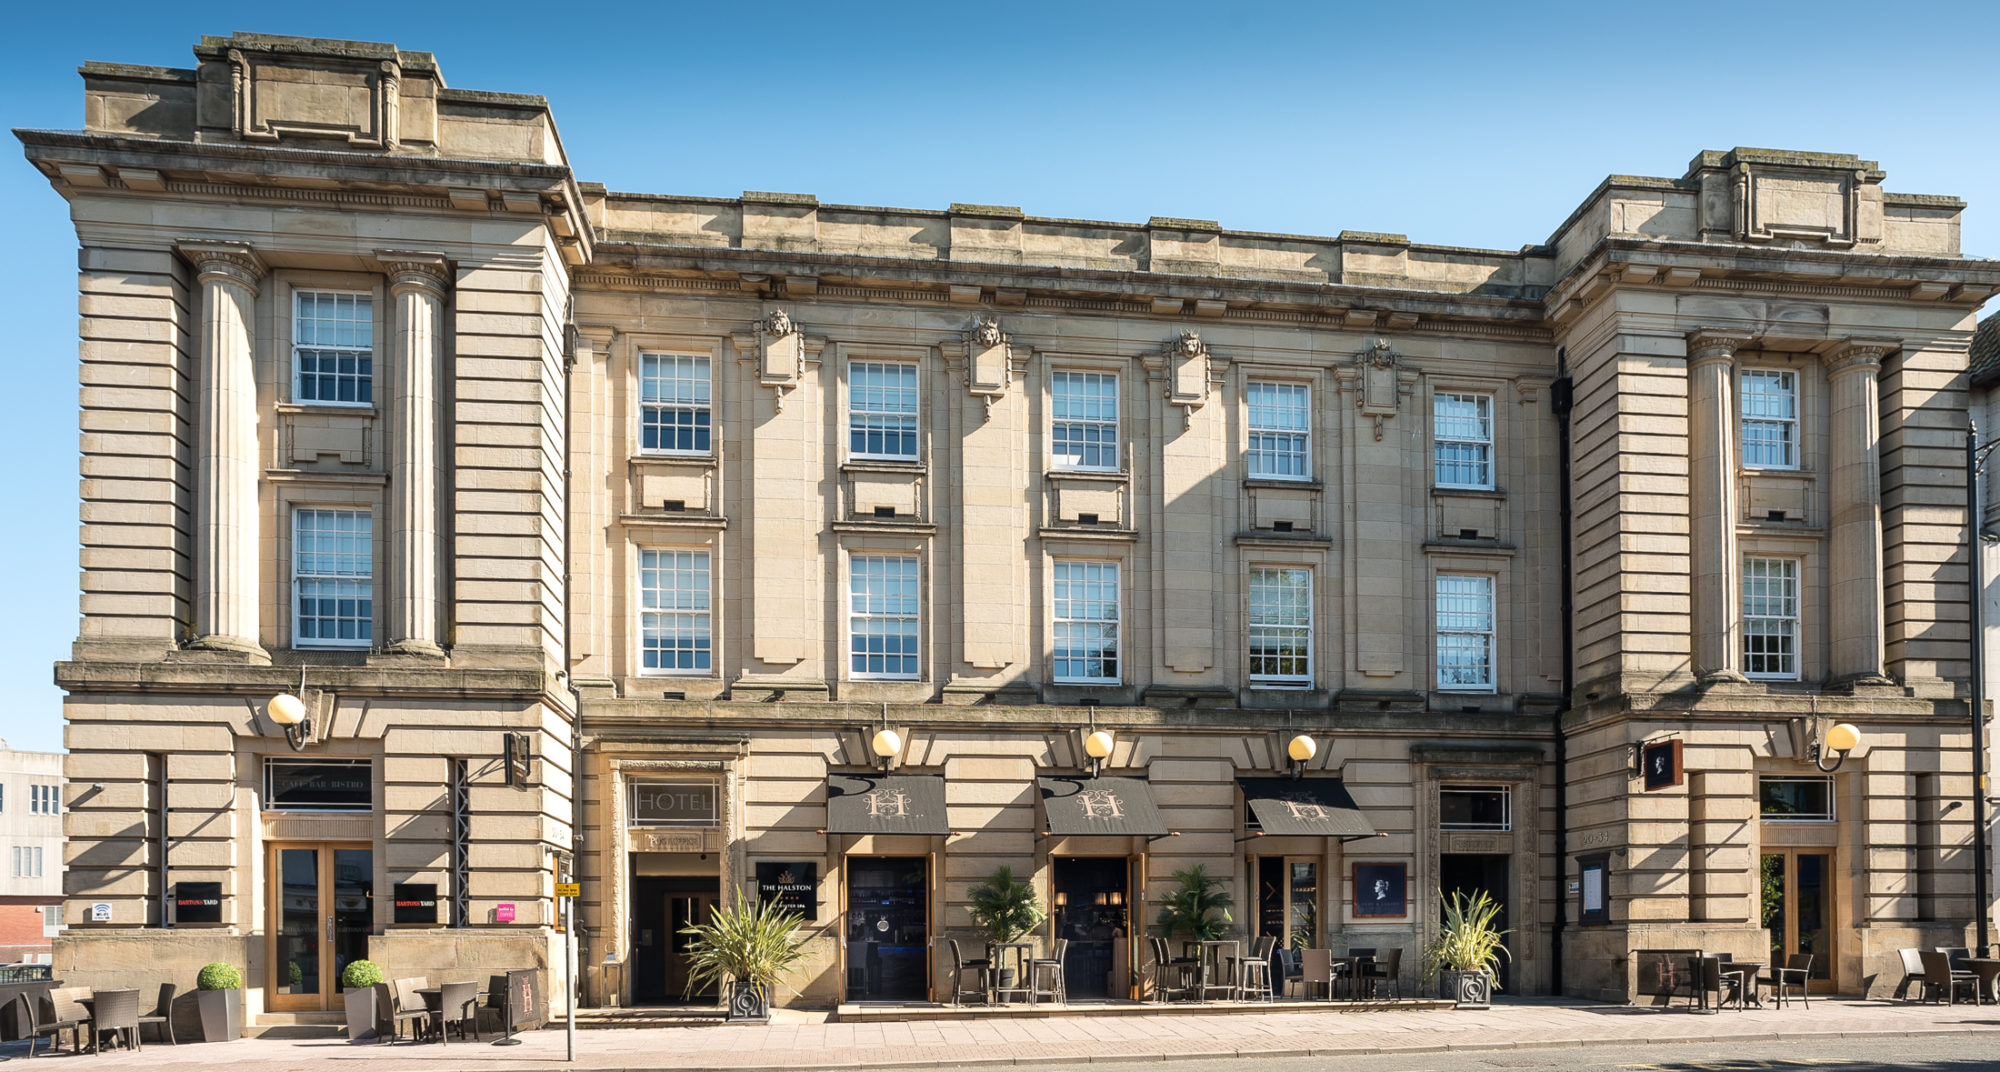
(1052, 965)
(1253, 976)
(1316, 969)
(1795, 975)
(117, 1016)
(960, 965)
(458, 1005)
(62, 1010)
(1727, 987)
(1939, 976)
(1171, 975)
(162, 1015)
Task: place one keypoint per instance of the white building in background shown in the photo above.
(31, 841)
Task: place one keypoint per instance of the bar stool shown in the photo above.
(1253, 976)
(1053, 965)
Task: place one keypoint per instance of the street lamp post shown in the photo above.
(1975, 531)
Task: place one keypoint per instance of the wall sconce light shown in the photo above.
(1117, 897)
(289, 712)
(1098, 747)
(885, 745)
(1062, 898)
(1838, 740)
(1301, 749)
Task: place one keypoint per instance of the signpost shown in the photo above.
(566, 894)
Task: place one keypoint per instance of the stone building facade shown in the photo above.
(31, 839)
(604, 534)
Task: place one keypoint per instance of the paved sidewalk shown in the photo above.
(804, 1041)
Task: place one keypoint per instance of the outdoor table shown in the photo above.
(1211, 957)
(1023, 984)
(1749, 970)
(434, 1008)
(90, 1005)
(1988, 970)
(1349, 969)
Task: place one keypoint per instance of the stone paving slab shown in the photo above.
(806, 1041)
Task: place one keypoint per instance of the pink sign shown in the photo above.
(504, 913)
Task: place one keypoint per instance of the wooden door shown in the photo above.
(320, 914)
(1798, 910)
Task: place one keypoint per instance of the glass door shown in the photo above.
(684, 909)
(1797, 887)
(322, 909)
(1288, 900)
(888, 930)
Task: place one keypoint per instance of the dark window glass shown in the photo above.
(1795, 798)
(1473, 807)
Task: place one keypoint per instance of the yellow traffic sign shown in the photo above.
(569, 889)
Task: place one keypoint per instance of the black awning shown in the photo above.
(1115, 806)
(885, 804)
(1313, 807)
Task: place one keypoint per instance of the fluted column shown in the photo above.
(1855, 617)
(1718, 641)
(226, 547)
(417, 285)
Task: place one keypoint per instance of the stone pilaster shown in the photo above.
(1855, 616)
(227, 550)
(418, 283)
(1718, 641)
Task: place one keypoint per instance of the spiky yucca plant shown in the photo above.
(1004, 907)
(750, 940)
(1468, 940)
(1198, 908)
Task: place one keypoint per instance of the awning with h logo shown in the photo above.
(1076, 806)
(1312, 807)
(885, 804)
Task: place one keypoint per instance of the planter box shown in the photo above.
(748, 1003)
(1470, 989)
(362, 1020)
(221, 1014)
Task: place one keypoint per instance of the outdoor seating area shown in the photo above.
(1203, 972)
(91, 1020)
(419, 1011)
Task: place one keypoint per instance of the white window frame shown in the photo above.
(44, 799)
(367, 581)
(1108, 444)
(1785, 612)
(27, 861)
(337, 350)
(1105, 572)
(1276, 631)
(1787, 425)
(1832, 799)
(1506, 806)
(701, 404)
(699, 610)
(1446, 437)
(858, 614)
(916, 414)
(1476, 585)
(1257, 460)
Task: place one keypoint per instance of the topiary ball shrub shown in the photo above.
(360, 974)
(219, 976)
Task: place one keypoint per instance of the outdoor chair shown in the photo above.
(62, 1010)
(1913, 972)
(162, 1015)
(117, 1012)
(1725, 987)
(1384, 973)
(1957, 955)
(401, 1004)
(1288, 971)
(458, 1005)
(1938, 976)
(1349, 974)
(1171, 975)
(1316, 969)
(959, 967)
(1796, 973)
(1053, 966)
(496, 1002)
(1253, 975)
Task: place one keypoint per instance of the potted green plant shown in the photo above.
(1465, 955)
(1197, 909)
(358, 979)
(1005, 908)
(745, 949)
(219, 996)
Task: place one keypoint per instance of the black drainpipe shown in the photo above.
(1561, 396)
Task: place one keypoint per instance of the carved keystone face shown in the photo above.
(780, 323)
(1190, 342)
(987, 334)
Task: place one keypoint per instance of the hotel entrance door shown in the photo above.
(322, 906)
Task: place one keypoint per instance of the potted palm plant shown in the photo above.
(1006, 909)
(358, 979)
(1198, 908)
(744, 949)
(219, 996)
(1465, 954)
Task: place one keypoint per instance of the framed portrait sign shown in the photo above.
(1381, 891)
(1660, 764)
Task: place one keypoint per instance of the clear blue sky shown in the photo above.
(1463, 124)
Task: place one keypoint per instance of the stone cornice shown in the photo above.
(261, 682)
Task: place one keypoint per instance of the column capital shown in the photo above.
(1859, 355)
(415, 269)
(1714, 344)
(233, 262)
